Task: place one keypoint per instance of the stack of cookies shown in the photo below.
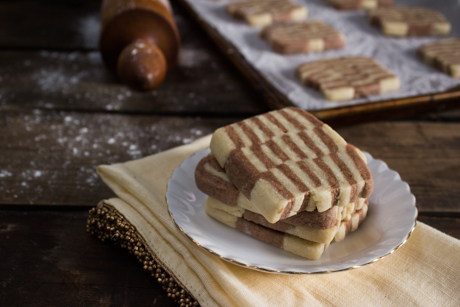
(286, 178)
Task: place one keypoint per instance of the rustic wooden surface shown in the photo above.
(62, 114)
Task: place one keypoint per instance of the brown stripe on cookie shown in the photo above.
(262, 127)
(310, 173)
(331, 145)
(234, 137)
(287, 210)
(249, 132)
(215, 186)
(367, 89)
(276, 122)
(304, 205)
(267, 235)
(292, 120)
(420, 29)
(259, 219)
(277, 150)
(292, 176)
(244, 175)
(240, 170)
(363, 171)
(309, 142)
(314, 219)
(307, 116)
(331, 179)
(280, 188)
(211, 161)
(262, 156)
(348, 176)
(293, 146)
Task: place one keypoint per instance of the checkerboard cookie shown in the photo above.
(444, 55)
(347, 78)
(212, 180)
(303, 37)
(302, 230)
(287, 159)
(359, 4)
(291, 243)
(409, 21)
(267, 12)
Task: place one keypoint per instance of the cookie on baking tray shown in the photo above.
(267, 12)
(409, 21)
(287, 161)
(347, 78)
(444, 54)
(302, 37)
(359, 4)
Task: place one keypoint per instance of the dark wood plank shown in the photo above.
(50, 157)
(51, 24)
(201, 84)
(425, 154)
(450, 226)
(62, 265)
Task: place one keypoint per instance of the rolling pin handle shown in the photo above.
(142, 65)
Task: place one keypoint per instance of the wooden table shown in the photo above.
(62, 114)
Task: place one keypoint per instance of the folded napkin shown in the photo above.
(423, 272)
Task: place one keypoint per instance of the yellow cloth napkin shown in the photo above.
(423, 272)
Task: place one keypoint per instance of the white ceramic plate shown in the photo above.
(390, 221)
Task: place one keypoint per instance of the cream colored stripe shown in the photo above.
(319, 143)
(301, 119)
(221, 216)
(291, 187)
(271, 155)
(301, 144)
(304, 178)
(233, 210)
(276, 131)
(321, 197)
(334, 136)
(313, 234)
(211, 170)
(221, 146)
(354, 170)
(291, 128)
(242, 136)
(287, 150)
(263, 138)
(303, 248)
(253, 159)
(345, 188)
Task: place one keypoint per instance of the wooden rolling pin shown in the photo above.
(139, 41)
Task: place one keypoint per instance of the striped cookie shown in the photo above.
(212, 180)
(347, 78)
(444, 55)
(359, 4)
(303, 37)
(409, 21)
(267, 12)
(304, 248)
(288, 160)
(304, 231)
